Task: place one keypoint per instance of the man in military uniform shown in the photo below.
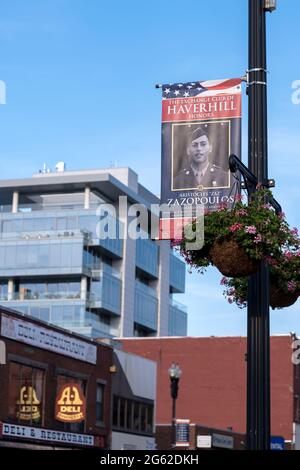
(201, 173)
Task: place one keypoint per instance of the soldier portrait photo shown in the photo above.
(200, 156)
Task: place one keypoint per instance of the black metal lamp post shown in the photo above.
(174, 374)
(258, 348)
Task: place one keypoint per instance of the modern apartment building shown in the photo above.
(57, 267)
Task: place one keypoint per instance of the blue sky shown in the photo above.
(80, 79)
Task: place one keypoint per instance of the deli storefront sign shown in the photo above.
(46, 338)
(70, 404)
(48, 435)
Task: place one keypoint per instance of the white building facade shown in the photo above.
(55, 266)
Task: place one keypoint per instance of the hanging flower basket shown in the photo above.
(238, 237)
(280, 299)
(284, 281)
(232, 260)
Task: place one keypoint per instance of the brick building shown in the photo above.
(55, 387)
(212, 389)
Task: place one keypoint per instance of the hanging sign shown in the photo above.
(201, 127)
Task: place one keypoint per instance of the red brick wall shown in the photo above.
(212, 389)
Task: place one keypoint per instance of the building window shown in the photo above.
(26, 394)
(3, 290)
(122, 415)
(132, 416)
(69, 426)
(129, 414)
(115, 411)
(100, 404)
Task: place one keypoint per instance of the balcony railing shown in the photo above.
(106, 293)
(177, 274)
(42, 296)
(147, 256)
(145, 306)
(43, 225)
(177, 318)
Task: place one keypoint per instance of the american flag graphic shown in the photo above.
(206, 88)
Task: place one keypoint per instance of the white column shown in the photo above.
(87, 193)
(83, 288)
(128, 281)
(10, 289)
(15, 202)
(163, 288)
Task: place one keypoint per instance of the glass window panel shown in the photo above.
(72, 223)
(77, 313)
(72, 427)
(66, 254)
(143, 418)
(74, 287)
(27, 256)
(122, 413)
(129, 414)
(116, 412)
(43, 256)
(26, 394)
(2, 257)
(28, 225)
(7, 226)
(150, 418)
(55, 258)
(61, 223)
(76, 254)
(35, 312)
(56, 313)
(100, 403)
(68, 311)
(3, 290)
(136, 416)
(18, 225)
(11, 257)
(52, 287)
(45, 313)
(42, 224)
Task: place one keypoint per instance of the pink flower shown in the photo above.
(288, 255)
(291, 286)
(235, 227)
(258, 238)
(222, 206)
(175, 242)
(294, 232)
(238, 197)
(241, 212)
(271, 261)
(281, 215)
(267, 206)
(224, 281)
(250, 229)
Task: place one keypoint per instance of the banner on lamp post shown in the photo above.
(201, 127)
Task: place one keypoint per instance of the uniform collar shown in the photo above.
(199, 174)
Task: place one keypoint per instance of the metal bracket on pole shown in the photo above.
(255, 82)
(250, 181)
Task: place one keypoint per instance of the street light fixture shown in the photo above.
(174, 374)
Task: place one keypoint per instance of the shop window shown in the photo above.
(26, 394)
(100, 404)
(70, 426)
